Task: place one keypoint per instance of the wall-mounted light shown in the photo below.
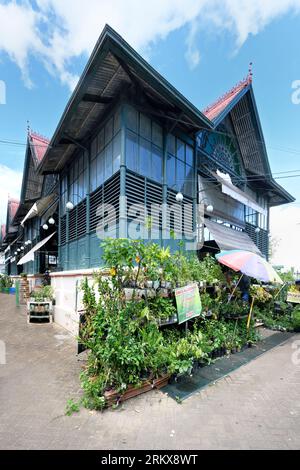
(22, 248)
(29, 242)
(18, 250)
(45, 227)
(209, 207)
(16, 253)
(51, 221)
(179, 197)
(69, 205)
(257, 230)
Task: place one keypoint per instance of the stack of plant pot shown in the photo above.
(24, 290)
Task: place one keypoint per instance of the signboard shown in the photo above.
(293, 297)
(188, 303)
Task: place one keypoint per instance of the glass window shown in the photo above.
(71, 175)
(75, 166)
(188, 186)
(189, 155)
(108, 131)
(101, 140)
(180, 174)
(74, 192)
(171, 144)
(132, 151)
(117, 122)
(156, 164)
(180, 150)
(80, 164)
(171, 171)
(131, 119)
(116, 152)
(94, 148)
(145, 157)
(81, 186)
(108, 161)
(100, 168)
(93, 175)
(145, 127)
(157, 135)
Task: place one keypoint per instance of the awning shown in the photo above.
(30, 255)
(12, 243)
(39, 207)
(235, 193)
(229, 239)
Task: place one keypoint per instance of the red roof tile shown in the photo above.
(3, 231)
(39, 145)
(215, 109)
(13, 205)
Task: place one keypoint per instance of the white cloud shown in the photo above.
(10, 184)
(57, 31)
(285, 228)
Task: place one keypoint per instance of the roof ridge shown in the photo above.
(36, 135)
(244, 82)
(13, 199)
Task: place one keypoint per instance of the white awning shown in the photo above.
(237, 194)
(12, 243)
(30, 255)
(39, 207)
(229, 239)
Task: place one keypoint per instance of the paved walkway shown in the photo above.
(256, 407)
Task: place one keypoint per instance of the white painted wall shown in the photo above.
(68, 297)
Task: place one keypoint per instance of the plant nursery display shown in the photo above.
(129, 348)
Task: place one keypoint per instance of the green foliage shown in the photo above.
(44, 293)
(296, 318)
(5, 282)
(72, 407)
(162, 308)
(124, 338)
(276, 321)
(133, 262)
(286, 276)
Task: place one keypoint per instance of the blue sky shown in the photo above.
(203, 48)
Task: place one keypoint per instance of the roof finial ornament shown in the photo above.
(250, 73)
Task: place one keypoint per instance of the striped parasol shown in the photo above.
(250, 264)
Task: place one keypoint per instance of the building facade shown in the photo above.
(132, 157)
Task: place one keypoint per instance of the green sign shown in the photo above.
(188, 303)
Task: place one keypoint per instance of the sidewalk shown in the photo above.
(257, 406)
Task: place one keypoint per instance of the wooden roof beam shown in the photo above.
(97, 99)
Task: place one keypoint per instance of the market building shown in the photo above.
(30, 243)
(128, 141)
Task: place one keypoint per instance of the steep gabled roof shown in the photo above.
(32, 181)
(249, 133)
(114, 66)
(216, 109)
(12, 207)
(38, 145)
(3, 232)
